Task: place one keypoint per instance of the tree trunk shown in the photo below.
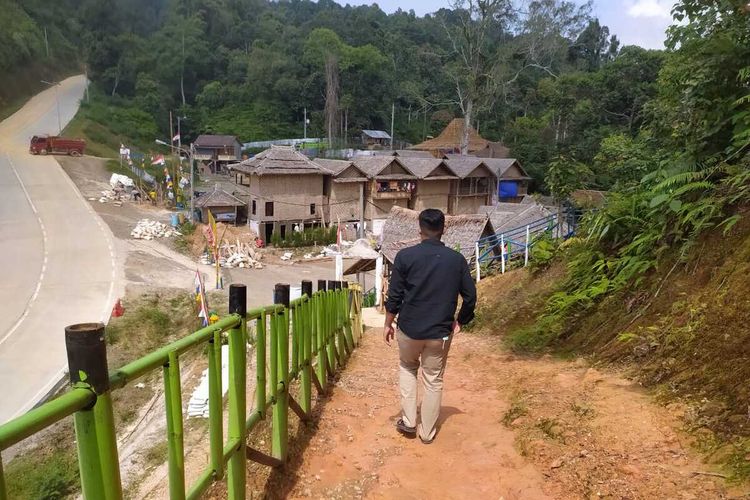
(332, 97)
(182, 73)
(467, 126)
(117, 82)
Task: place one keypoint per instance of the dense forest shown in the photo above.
(546, 79)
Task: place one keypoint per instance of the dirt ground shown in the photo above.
(511, 428)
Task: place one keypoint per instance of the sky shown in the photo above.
(635, 22)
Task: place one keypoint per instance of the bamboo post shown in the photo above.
(306, 341)
(280, 433)
(237, 393)
(94, 427)
(215, 406)
(260, 364)
(319, 320)
(173, 400)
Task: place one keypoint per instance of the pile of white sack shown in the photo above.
(148, 229)
(198, 405)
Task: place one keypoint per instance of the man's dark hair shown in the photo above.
(432, 222)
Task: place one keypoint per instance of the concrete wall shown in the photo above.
(348, 193)
(432, 194)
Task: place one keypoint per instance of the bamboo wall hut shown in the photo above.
(286, 188)
(434, 183)
(344, 190)
(474, 186)
(223, 205)
(390, 184)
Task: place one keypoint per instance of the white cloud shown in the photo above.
(650, 8)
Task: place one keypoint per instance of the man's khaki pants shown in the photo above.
(433, 355)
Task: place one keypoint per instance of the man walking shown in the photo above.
(425, 283)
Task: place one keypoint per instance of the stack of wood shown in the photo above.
(238, 254)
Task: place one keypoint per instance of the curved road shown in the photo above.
(56, 254)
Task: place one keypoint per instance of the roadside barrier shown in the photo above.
(319, 330)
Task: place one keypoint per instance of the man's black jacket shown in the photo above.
(426, 281)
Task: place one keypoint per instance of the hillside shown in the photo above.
(34, 46)
(684, 333)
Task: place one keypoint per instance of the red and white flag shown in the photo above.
(158, 160)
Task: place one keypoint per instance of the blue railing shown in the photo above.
(515, 240)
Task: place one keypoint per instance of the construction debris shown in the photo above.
(147, 229)
(287, 256)
(240, 254)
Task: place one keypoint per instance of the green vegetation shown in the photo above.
(106, 123)
(50, 473)
(316, 236)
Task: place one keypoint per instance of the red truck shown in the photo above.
(51, 144)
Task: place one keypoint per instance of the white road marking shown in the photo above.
(44, 246)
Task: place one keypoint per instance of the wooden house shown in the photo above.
(224, 206)
(433, 185)
(285, 188)
(473, 187)
(375, 138)
(512, 181)
(344, 190)
(390, 184)
(215, 152)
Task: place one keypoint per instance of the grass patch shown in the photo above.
(518, 408)
(551, 428)
(48, 472)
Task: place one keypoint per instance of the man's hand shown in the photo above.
(388, 333)
(456, 327)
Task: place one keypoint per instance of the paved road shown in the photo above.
(56, 255)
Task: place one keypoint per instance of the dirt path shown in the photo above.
(511, 428)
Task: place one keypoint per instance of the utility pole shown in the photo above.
(57, 101)
(86, 76)
(305, 120)
(393, 114)
(46, 41)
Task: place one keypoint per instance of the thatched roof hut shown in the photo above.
(449, 141)
(507, 216)
(403, 153)
(218, 198)
(401, 230)
(506, 168)
(469, 166)
(383, 167)
(279, 160)
(428, 168)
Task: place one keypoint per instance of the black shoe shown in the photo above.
(405, 429)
